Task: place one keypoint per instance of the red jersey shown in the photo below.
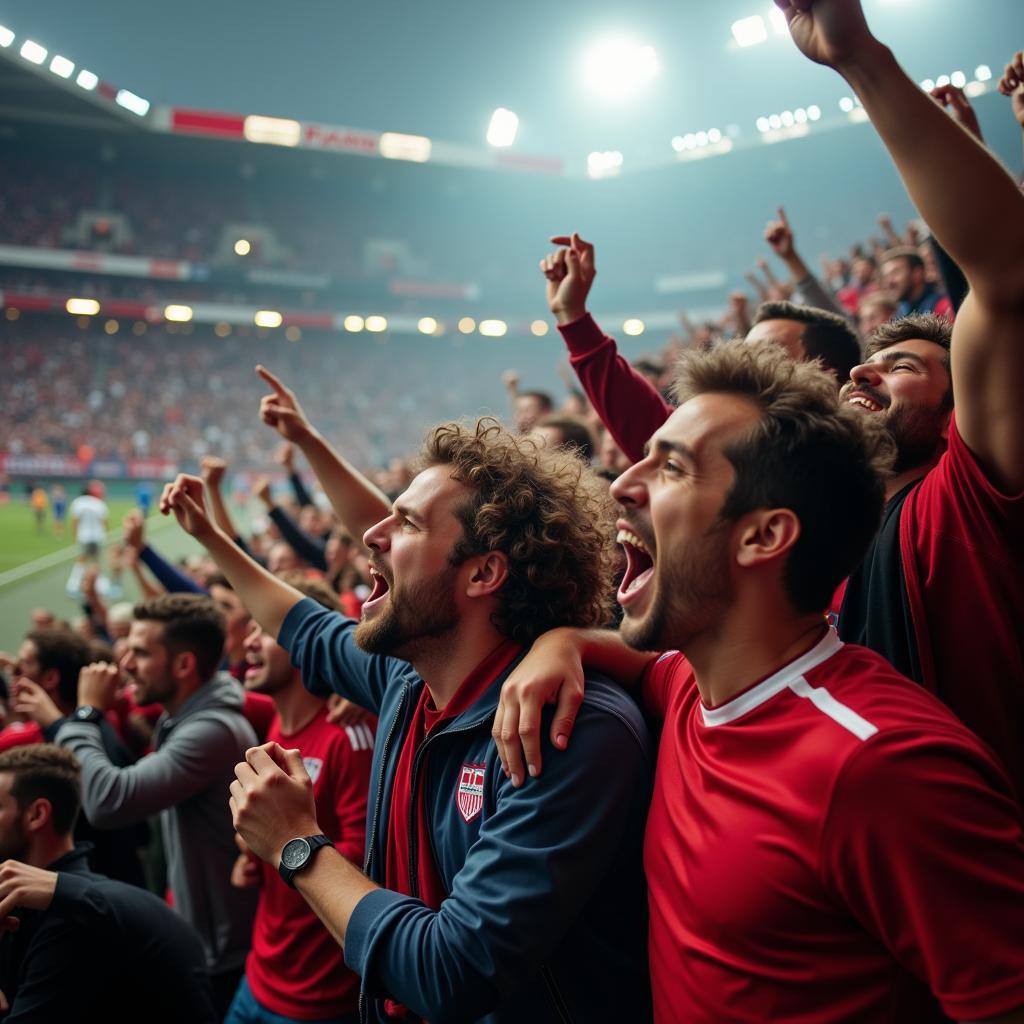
(295, 967)
(829, 845)
(20, 734)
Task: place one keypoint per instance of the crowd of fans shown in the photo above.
(390, 753)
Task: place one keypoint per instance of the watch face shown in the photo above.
(295, 854)
(84, 712)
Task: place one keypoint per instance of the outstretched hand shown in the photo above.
(1012, 85)
(212, 469)
(829, 32)
(570, 272)
(779, 236)
(185, 498)
(281, 410)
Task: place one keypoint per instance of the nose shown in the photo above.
(252, 637)
(866, 373)
(629, 488)
(127, 663)
(377, 538)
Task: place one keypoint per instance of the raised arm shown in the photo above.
(268, 599)
(974, 209)
(213, 468)
(1012, 85)
(626, 401)
(779, 235)
(358, 503)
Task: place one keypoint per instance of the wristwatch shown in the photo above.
(297, 854)
(87, 713)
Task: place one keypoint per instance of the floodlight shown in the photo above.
(982, 72)
(678, 143)
(958, 78)
(82, 307)
(973, 89)
(274, 131)
(6, 36)
(243, 247)
(354, 324)
(503, 127)
(493, 328)
(61, 66)
(467, 325)
(775, 122)
(846, 104)
(603, 165)
(814, 112)
(634, 328)
(616, 68)
(222, 329)
(714, 136)
(427, 325)
(178, 314)
(800, 115)
(787, 119)
(33, 52)
(539, 328)
(293, 333)
(395, 146)
(778, 20)
(749, 31)
(941, 81)
(376, 324)
(267, 318)
(136, 104)
(87, 80)
(762, 124)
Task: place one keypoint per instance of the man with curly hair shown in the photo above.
(479, 899)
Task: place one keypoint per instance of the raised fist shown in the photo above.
(212, 469)
(570, 272)
(829, 32)
(98, 684)
(185, 498)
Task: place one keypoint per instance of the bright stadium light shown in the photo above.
(958, 78)
(33, 52)
(539, 328)
(136, 104)
(846, 104)
(814, 112)
(493, 328)
(376, 324)
(178, 314)
(467, 325)
(634, 328)
(749, 31)
(503, 127)
(604, 165)
(61, 66)
(427, 325)
(243, 247)
(778, 20)
(274, 131)
(267, 318)
(941, 81)
(617, 68)
(982, 72)
(87, 80)
(396, 146)
(354, 324)
(82, 307)
(6, 36)
(763, 125)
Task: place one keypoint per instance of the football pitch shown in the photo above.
(35, 566)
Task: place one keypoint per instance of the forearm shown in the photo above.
(174, 581)
(309, 548)
(959, 188)
(267, 598)
(798, 270)
(357, 502)
(813, 293)
(147, 588)
(604, 651)
(302, 496)
(219, 509)
(332, 887)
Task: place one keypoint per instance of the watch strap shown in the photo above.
(87, 713)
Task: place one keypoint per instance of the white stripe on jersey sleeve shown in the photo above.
(367, 735)
(355, 737)
(836, 710)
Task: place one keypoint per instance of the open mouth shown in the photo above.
(863, 401)
(639, 567)
(379, 593)
(254, 666)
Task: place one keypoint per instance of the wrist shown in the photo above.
(569, 315)
(863, 63)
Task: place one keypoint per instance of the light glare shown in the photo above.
(6, 36)
(354, 324)
(503, 127)
(467, 325)
(778, 20)
(33, 52)
(274, 131)
(493, 328)
(87, 80)
(178, 314)
(958, 78)
(82, 307)
(267, 318)
(538, 328)
(376, 324)
(617, 68)
(395, 146)
(982, 72)
(243, 247)
(634, 328)
(136, 104)
(749, 31)
(61, 66)
(427, 325)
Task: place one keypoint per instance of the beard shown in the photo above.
(690, 596)
(917, 433)
(415, 617)
(14, 844)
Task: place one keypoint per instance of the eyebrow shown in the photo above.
(895, 357)
(664, 446)
(407, 513)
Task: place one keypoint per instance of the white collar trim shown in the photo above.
(781, 680)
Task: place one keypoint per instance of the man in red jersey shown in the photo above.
(826, 841)
(295, 970)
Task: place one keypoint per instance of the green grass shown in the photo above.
(21, 542)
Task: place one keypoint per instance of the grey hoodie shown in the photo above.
(185, 780)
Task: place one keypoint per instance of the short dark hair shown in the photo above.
(916, 327)
(545, 510)
(904, 252)
(64, 651)
(542, 396)
(808, 453)
(45, 771)
(192, 622)
(576, 435)
(218, 579)
(827, 336)
(318, 590)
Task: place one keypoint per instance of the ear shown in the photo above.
(487, 574)
(767, 535)
(38, 814)
(946, 426)
(183, 665)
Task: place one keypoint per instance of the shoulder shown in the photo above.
(607, 709)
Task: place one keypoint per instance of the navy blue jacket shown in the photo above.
(546, 918)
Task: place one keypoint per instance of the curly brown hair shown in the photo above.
(545, 510)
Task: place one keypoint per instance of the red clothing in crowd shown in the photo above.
(827, 846)
(20, 734)
(295, 967)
